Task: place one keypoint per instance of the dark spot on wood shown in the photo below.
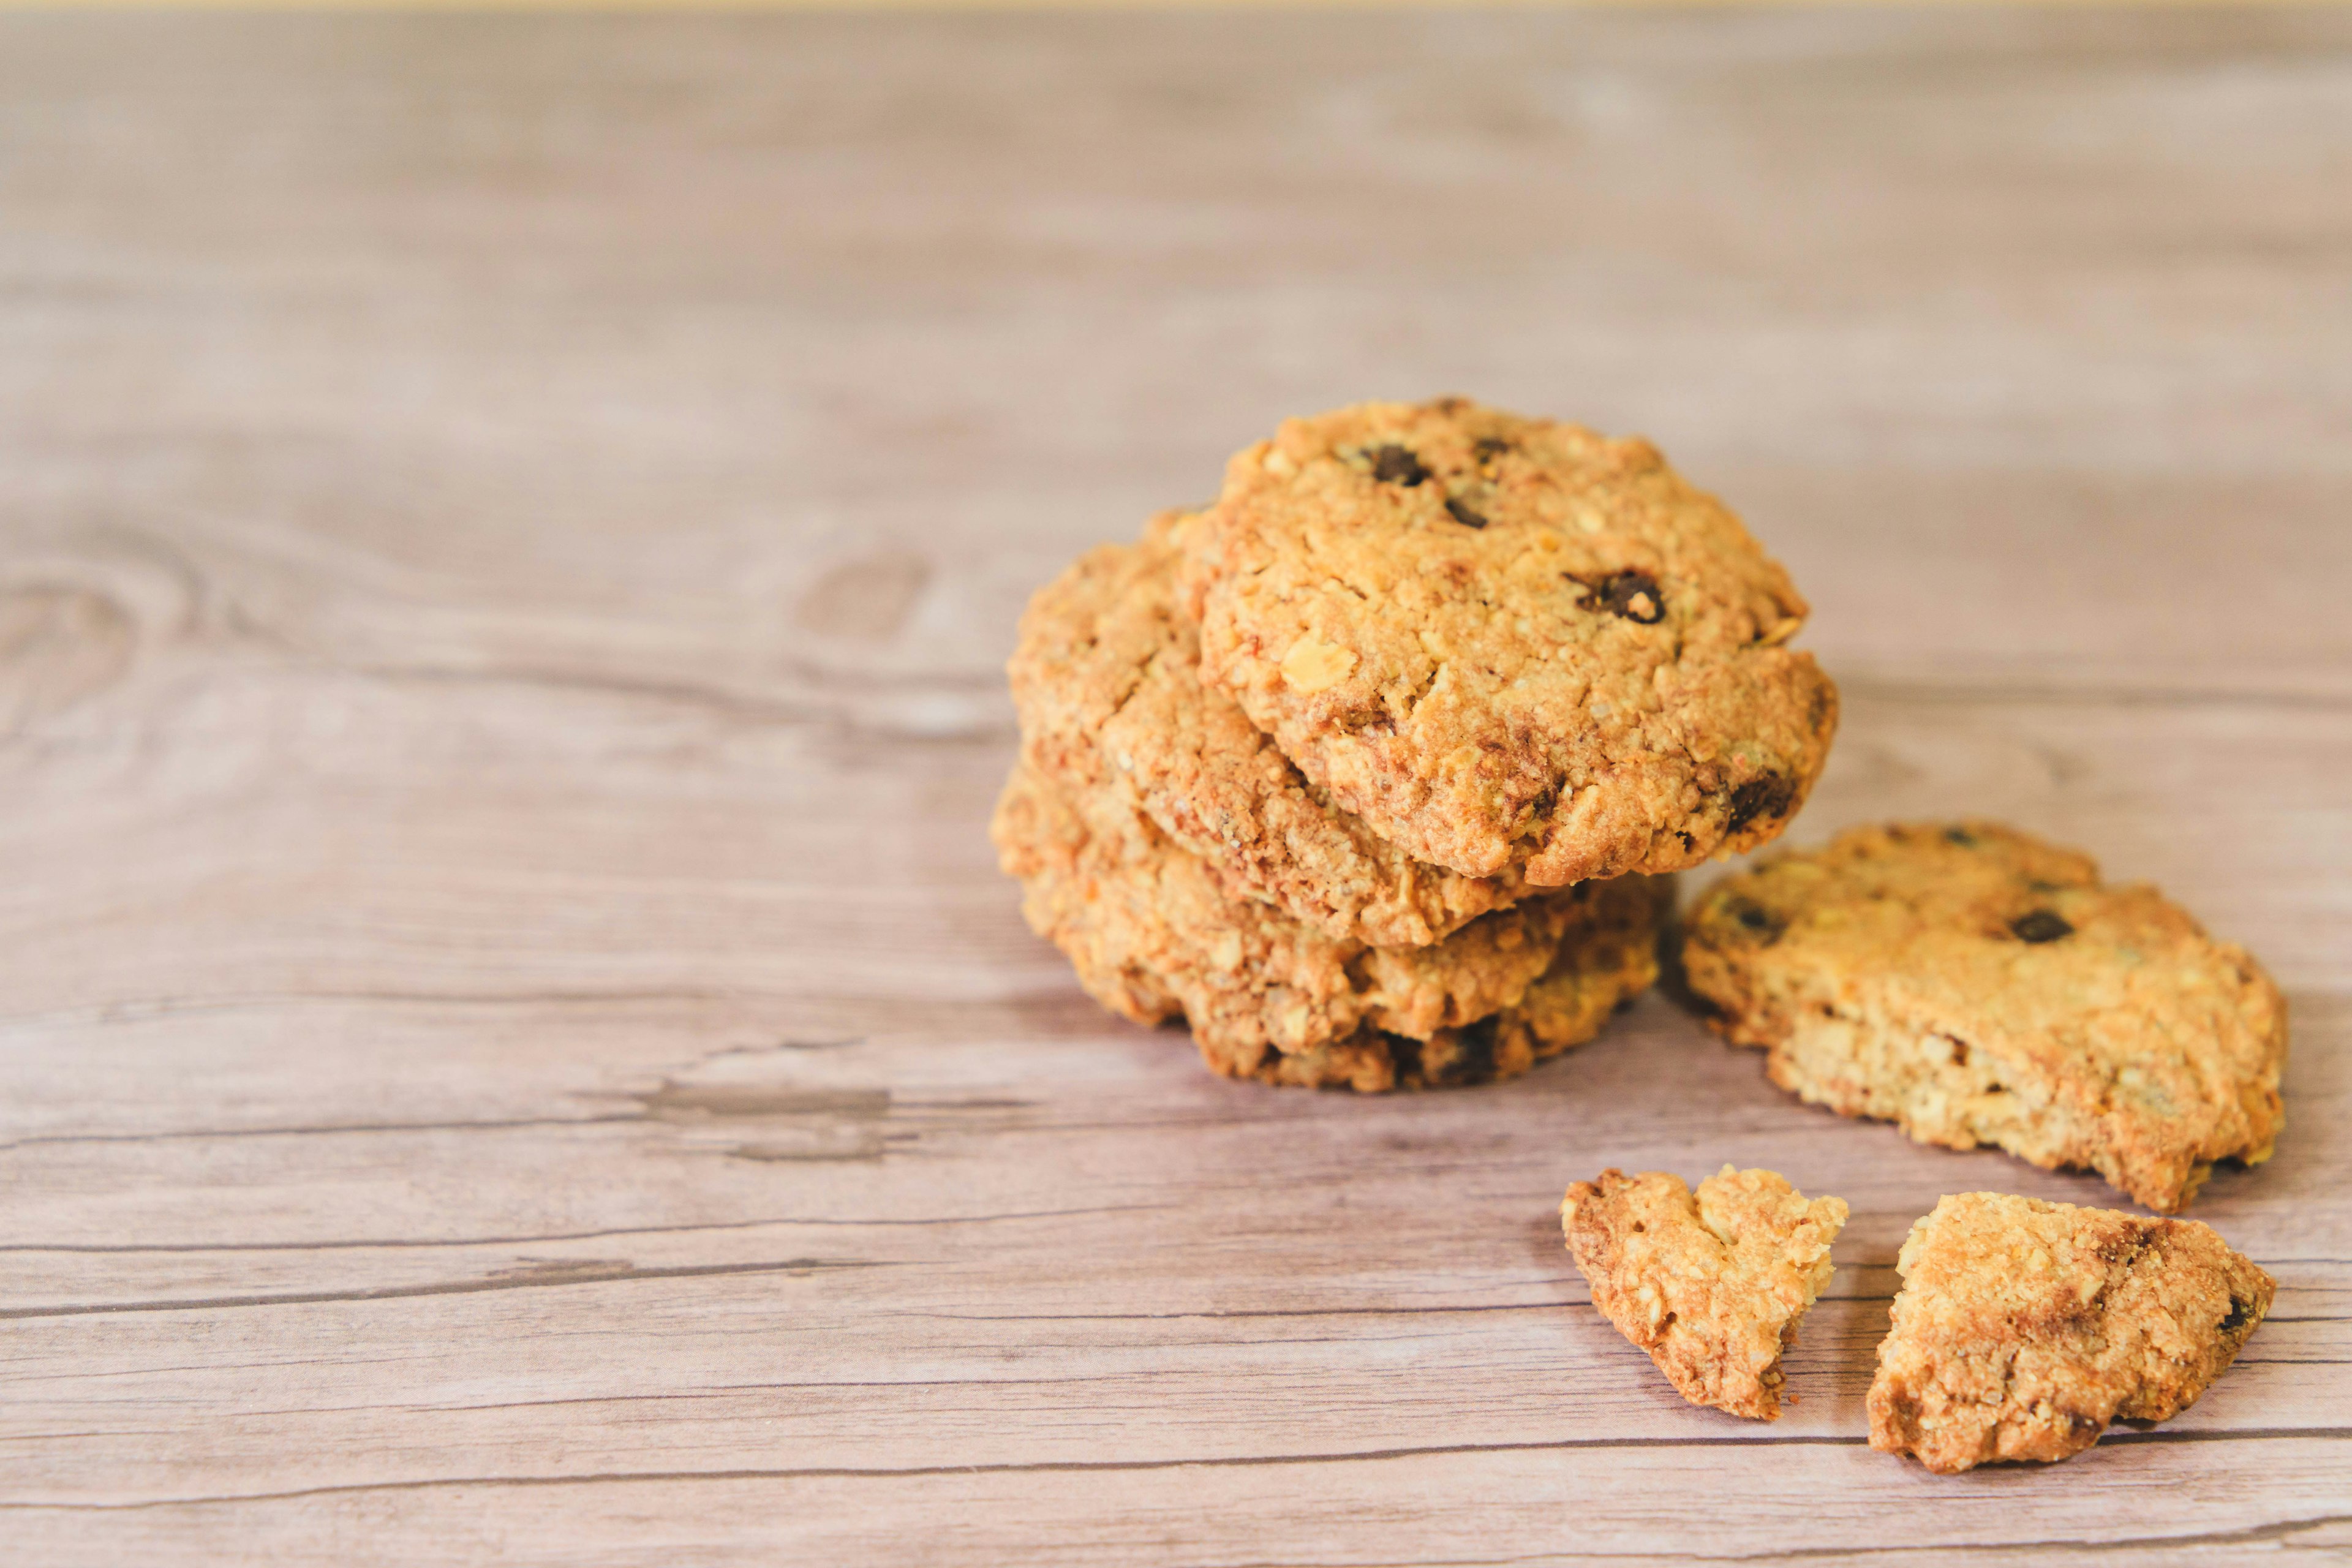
(1464, 514)
(2040, 926)
(1766, 798)
(1632, 596)
(864, 600)
(1394, 465)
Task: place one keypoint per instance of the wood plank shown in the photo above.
(513, 1045)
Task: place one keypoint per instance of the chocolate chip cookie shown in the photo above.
(1507, 643)
(1711, 1283)
(1107, 680)
(1154, 936)
(2023, 1328)
(1976, 985)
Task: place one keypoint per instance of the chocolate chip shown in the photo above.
(1766, 797)
(1405, 1059)
(1464, 515)
(1633, 595)
(1959, 1052)
(1475, 1061)
(1961, 836)
(1760, 919)
(1704, 1006)
(2239, 1312)
(1487, 448)
(1394, 465)
(2041, 925)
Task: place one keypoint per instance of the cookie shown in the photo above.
(1107, 680)
(1710, 1283)
(1154, 936)
(2022, 1328)
(1979, 986)
(1507, 643)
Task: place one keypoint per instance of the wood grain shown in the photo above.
(512, 1044)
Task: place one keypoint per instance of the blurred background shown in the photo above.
(1972, 306)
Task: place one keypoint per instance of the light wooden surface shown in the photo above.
(512, 1045)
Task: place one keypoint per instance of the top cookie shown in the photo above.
(1107, 679)
(1510, 642)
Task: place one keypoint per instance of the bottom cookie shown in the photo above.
(1154, 936)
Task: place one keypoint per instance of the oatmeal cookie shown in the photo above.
(1976, 985)
(1508, 643)
(1710, 1283)
(1155, 937)
(1107, 679)
(2024, 1326)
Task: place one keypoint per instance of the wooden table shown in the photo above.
(515, 1045)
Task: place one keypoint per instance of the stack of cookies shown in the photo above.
(1375, 771)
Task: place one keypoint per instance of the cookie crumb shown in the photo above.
(2023, 1328)
(1711, 1283)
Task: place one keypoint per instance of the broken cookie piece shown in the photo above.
(1710, 1283)
(2023, 1328)
(1976, 985)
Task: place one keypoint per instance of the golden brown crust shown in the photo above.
(1507, 642)
(1107, 680)
(1154, 936)
(2023, 1328)
(1711, 1283)
(1976, 985)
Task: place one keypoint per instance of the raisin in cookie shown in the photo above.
(2023, 1328)
(1107, 679)
(1710, 1283)
(1154, 936)
(1980, 986)
(1508, 643)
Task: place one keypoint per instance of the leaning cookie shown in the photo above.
(1508, 643)
(1711, 1283)
(1154, 936)
(1107, 680)
(2023, 1328)
(1977, 986)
